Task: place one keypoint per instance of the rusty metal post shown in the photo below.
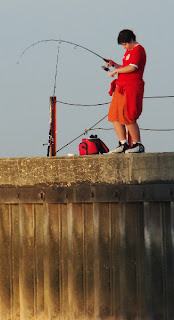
(52, 143)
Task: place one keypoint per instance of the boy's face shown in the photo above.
(127, 45)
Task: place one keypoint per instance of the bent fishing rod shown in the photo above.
(50, 141)
(67, 42)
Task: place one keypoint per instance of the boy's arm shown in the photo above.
(127, 69)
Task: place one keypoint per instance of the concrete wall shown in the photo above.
(102, 169)
(87, 237)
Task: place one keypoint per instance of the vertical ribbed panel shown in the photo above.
(14, 264)
(39, 262)
(26, 261)
(87, 261)
(5, 263)
(90, 279)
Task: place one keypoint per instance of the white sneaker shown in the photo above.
(136, 148)
(121, 148)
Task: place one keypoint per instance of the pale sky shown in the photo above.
(26, 87)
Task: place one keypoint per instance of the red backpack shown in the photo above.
(93, 145)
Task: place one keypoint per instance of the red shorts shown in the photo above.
(117, 110)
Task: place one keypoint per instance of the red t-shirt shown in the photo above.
(136, 57)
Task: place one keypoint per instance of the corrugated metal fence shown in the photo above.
(72, 254)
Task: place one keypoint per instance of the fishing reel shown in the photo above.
(106, 68)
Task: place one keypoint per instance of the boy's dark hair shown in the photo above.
(125, 36)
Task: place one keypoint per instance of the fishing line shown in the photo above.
(57, 61)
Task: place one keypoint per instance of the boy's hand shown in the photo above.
(110, 63)
(112, 73)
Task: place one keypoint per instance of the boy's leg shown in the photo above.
(137, 146)
(120, 130)
(134, 132)
(121, 134)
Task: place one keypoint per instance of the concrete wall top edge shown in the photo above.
(95, 169)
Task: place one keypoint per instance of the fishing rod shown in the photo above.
(67, 42)
(51, 142)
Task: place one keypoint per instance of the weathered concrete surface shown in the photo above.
(102, 169)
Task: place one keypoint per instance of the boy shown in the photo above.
(126, 104)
